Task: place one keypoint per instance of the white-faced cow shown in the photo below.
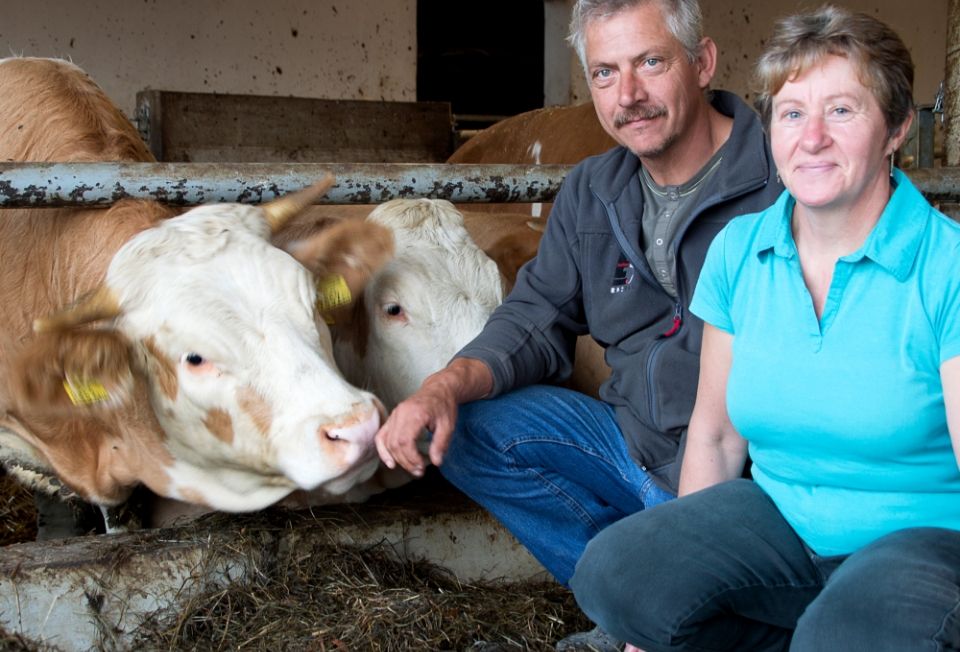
(185, 353)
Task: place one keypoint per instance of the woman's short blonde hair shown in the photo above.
(804, 40)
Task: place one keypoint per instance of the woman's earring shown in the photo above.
(891, 164)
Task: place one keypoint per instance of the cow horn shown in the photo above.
(279, 211)
(101, 303)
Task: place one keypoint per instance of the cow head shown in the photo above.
(424, 305)
(221, 331)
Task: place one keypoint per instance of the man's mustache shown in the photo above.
(638, 113)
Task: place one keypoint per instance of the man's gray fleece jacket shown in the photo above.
(590, 275)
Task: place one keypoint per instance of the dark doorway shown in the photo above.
(485, 57)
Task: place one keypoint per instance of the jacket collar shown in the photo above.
(745, 155)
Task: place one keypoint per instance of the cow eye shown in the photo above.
(194, 359)
(393, 309)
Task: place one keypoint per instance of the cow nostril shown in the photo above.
(332, 435)
(355, 431)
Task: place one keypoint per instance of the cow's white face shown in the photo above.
(425, 304)
(240, 370)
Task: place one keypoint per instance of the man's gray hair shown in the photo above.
(683, 17)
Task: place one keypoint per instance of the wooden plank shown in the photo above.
(211, 127)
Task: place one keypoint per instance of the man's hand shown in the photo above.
(432, 407)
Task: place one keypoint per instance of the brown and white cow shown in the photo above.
(185, 353)
(449, 272)
(417, 311)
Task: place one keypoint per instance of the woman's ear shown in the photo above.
(900, 135)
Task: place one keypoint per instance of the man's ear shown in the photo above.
(70, 371)
(352, 250)
(706, 61)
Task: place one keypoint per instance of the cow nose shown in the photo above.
(360, 431)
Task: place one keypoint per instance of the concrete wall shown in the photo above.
(347, 49)
(361, 49)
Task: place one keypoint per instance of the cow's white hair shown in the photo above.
(445, 285)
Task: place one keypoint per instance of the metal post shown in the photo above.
(952, 86)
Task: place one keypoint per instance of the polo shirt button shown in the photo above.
(660, 241)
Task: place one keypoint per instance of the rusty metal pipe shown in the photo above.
(186, 184)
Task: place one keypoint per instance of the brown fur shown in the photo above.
(38, 373)
(567, 135)
(220, 425)
(353, 249)
(351, 326)
(79, 122)
(50, 258)
(256, 408)
(162, 368)
(356, 252)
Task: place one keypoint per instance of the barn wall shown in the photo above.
(740, 28)
(361, 49)
(347, 49)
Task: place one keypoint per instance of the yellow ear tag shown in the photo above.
(332, 292)
(86, 392)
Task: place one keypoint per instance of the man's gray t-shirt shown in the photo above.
(665, 208)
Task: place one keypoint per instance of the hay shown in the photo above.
(16, 643)
(18, 516)
(302, 591)
(351, 598)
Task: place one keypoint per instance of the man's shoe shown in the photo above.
(595, 640)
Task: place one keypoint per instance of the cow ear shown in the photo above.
(69, 371)
(346, 254)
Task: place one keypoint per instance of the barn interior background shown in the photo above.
(494, 54)
(487, 58)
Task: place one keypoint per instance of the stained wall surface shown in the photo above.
(363, 49)
(340, 49)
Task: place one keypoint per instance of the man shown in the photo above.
(619, 259)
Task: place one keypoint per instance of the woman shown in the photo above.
(831, 353)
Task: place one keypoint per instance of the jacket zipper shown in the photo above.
(677, 320)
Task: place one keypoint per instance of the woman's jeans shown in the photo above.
(552, 466)
(721, 569)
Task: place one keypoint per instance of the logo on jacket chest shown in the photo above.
(623, 275)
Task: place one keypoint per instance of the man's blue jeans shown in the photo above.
(721, 569)
(552, 466)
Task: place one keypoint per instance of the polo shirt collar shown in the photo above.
(893, 243)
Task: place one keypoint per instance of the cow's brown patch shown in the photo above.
(353, 249)
(162, 368)
(257, 408)
(191, 496)
(219, 423)
(351, 324)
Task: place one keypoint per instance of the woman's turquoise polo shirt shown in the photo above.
(844, 416)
